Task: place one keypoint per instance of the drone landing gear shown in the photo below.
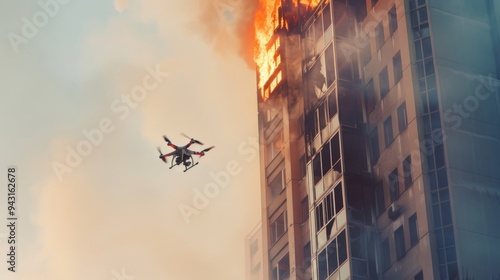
(193, 165)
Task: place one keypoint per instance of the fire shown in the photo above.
(267, 21)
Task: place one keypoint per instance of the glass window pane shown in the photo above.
(330, 66)
(317, 168)
(332, 257)
(398, 68)
(402, 117)
(325, 158)
(332, 104)
(429, 67)
(388, 136)
(327, 17)
(413, 225)
(393, 20)
(422, 13)
(342, 247)
(446, 214)
(384, 82)
(449, 238)
(339, 198)
(322, 265)
(418, 50)
(399, 239)
(320, 222)
(433, 101)
(442, 179)
(426, 47)
(408, 179)
(439, 155)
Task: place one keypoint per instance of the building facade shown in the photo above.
(380, 140)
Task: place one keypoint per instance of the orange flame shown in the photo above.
(266, 54)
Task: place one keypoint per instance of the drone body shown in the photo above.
(182, 154)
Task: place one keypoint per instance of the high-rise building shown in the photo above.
(379, 124)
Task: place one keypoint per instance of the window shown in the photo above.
(332, 104)
(274, 147)
(305, 209)
(386, 254)
(380, 200)
(408, 180)
(388, 136)
(327, 158)
(278, 227)
(335, 150)
(379, 33)
(329, 207)
(321, 116)
(374, 148)
(282, 270)
(277, 185)
(302, 167)
(320, 218)
(330, 66)
(339, 198)
(332, 256)
(393, 20)
(384, 82)
(254, 246)
(370, 98)
(399, 239)
(398, 67)
(413, 224)
(307, 255)
(394, 185)
(402, 117)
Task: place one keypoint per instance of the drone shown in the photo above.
(183, 155)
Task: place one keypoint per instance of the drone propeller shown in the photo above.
(207, 149)
(166, 139)
(192, 139)
(161, 156)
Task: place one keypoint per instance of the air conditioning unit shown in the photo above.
(394, 211)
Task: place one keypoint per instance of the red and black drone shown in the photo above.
(183, 155)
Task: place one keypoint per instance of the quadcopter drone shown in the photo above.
(183, 155)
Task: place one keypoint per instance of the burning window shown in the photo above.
(273, 16)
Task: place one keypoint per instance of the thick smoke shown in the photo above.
(227, 25)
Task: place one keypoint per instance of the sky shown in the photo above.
(88, 90)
